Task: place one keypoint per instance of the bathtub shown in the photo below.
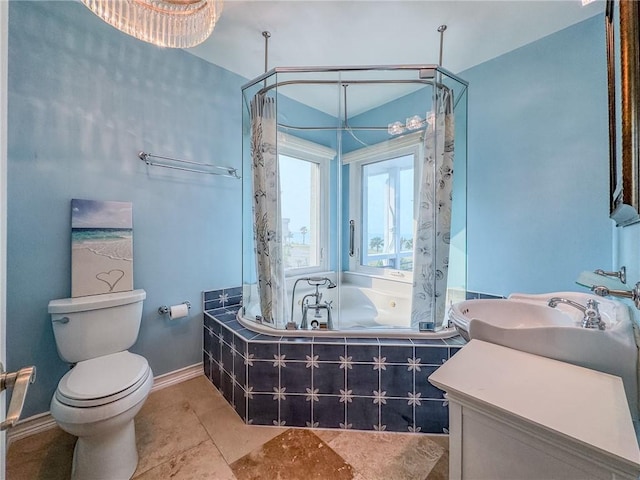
(362, 307)
(357, 311)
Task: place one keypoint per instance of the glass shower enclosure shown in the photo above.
(354, 199)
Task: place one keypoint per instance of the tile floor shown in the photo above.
(188, 431)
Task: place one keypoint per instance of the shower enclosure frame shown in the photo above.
(429, 74)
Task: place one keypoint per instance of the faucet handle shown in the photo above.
(592, 309)
(592, 303)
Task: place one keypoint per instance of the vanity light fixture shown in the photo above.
(395, 128)
(166, 23)
(411, 123)
(414, 123)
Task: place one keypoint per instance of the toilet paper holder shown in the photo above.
(165, 309)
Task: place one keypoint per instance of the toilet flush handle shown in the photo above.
(61, 320)
(18, 381)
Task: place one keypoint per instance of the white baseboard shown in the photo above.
(177, 376)
(30, 426)
(44, 421)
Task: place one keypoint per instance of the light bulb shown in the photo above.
(395, 128)
(413, 123)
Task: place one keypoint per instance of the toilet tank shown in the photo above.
(96, 325)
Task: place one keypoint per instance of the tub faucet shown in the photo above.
(315, 282)
(591, 319)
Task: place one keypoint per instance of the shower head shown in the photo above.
(331, 284)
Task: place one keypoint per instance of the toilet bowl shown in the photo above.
(99, 397)
(96, 401)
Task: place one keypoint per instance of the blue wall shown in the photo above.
(83, 100)
(538, 164)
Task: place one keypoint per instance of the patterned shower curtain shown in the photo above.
(433, 226)
(266, 210)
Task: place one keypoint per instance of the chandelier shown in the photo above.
(166, 23)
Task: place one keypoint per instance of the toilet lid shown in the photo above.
(102, 380)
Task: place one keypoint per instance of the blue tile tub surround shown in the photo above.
(349, 383)
(226, 297)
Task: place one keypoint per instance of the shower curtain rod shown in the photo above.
(352, 69)
(348, 82)
(346, 127)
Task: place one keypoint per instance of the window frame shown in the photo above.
(410, 144)
(305, 150)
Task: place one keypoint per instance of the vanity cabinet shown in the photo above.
(514, 415)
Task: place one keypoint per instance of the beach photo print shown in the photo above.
(101, 247)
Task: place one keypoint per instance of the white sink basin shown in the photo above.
(525, 322)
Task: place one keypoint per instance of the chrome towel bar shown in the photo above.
(206, 168)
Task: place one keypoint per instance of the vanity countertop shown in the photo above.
(587, 406)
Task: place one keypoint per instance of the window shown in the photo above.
(387, 213)
(383, 189)
(304, 180)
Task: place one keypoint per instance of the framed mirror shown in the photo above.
(623, 73)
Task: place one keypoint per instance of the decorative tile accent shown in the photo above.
(296, 376)
(363, 353)
(363, 414)
(226, 297)
(263, 410)
(295, 411)
(424, 387)
(329, 412)
(263, 351)
(432, 355)
(397, 381)
(363, 379)
(329, 378)
(432, 416)
(240, 402)
(296, 349)
(324, 382)
(227, 387)
(263, 376)
(329, 352)
(397, 354)
(215, 375)
(240, 370)
(396, 415)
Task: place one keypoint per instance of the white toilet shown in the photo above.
(99, 397)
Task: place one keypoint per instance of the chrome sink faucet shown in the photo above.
(591, 319)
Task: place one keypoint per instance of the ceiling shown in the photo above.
(352, 32)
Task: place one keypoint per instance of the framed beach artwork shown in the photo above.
(101, 247)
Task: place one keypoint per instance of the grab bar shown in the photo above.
(352, 239)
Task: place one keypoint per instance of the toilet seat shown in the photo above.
(103, 380)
